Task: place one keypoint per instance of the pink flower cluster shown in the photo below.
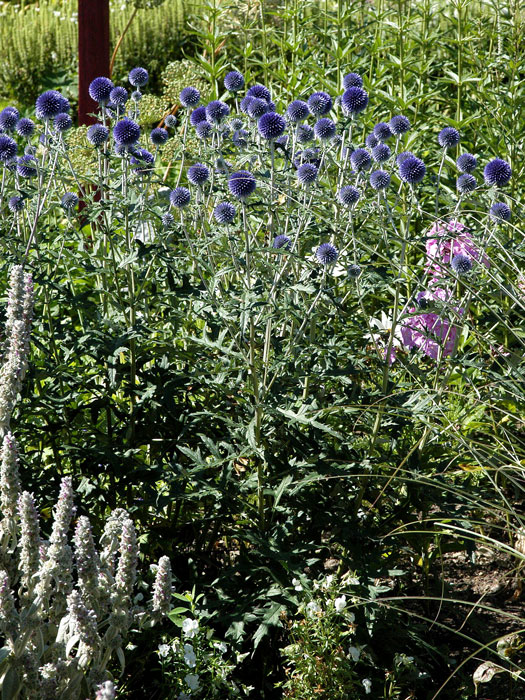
(449, 239)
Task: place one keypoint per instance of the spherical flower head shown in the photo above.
(242, 184)
(197, 116)
(63, 122)
(69, 201)
(167, 220)
(352, 80)
(170, 121)
(136, 96)
(180, 197)
(97, 134)
(100, 90)
(307, 173)
(466, 163)
(326, 254)
(498, 172)
(461, 264)
(25, 166)
(120, 149)
(138, 77)
(353, 101)
(119, 96)
(257, 107)
(354, 271)
(412, 170)
(158, 136)
(234, 81)
(466, 183)
(8, 118)
(260, 91)
(371, 140)
(224, 213)
(382, 131)
(403, 156)
(240, 138)
(348, 195)
(49, 104)
(360, 159)
(25, 127)
(189, 97)
(216, 111)
(203, 130)
(380, 179)
(381, 153)
(271, 125)
(236, 123)
(8, 148)
(126, 132)
(399, 124)
(297, 111)
(499, 211)
(144, 160)
(245, 103)
(198, 174)
(324, 129)
(304, 133)
(282, 241)
(320, 103)
(448, 137)
(16, 204)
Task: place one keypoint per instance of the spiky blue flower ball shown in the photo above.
(304, 133)
(466, 163)
(197, 116)
(97, 134)
(170, 121)
(63, 122)
(224, 213)
(371, 140)
(242, 184)
(236, 123)
(100, 90)
(234, 81)
(167, 220)
(282, 241)
(324, 129)
(216, 111)
(119, 96)
(381, 153)
(319, 103)
(348, 195)
(260, 91)
(138, 77)
(120, 150)
(271, 125)
(158, 136)
(204, 130)
(198, 174)
(448, 137)
(49, 104)
(399, 124)
(189, 97)
(257, 107)
(360, 159)
(143, 160)
(26, 166)
(69, 201)
(307, 173)
(245, 103)
(326, 254)
(16, 204)
(500, 211)
(8, 118)
(412, 170)
(25, 127)
(352, 80)
(272, 106)
(136, 96)
(403, 156)
(240, 138)
(466, 183)
(380, 179)
(297, 111)
(8, 148)
(126, 132)
(382, 131)
(180, 197)
(461, 264)
(353, 101)
(354, 271)
(498, 172)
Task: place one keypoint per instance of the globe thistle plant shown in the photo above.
(180, 197)
(126, 132)
(242, 184)
(353, 101)
(297, 111)
(260, 91)
(399, 125)
(448, 137)
(216, 111)
(497, 173)
(307, 174)
(461, 264)
(382, 132)
(158, 136)
(224, 213)
(198, 174)
(138, 77)
(412, 170)
(466, 163)
(319, 103)
(466, 183)
(348, 195)
(380, 179)
(234, 81)
(25, 127)
(97, 134)
(100, 90)
(271, 125)
(190, 97)
(326, 254)
(282, 242)
(500, 211)
(352, 80)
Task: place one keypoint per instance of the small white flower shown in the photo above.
(175, 645)
(340, 603)
(313, 608)
(221, 646)
(297, 584)
(355, 653)
(367, 685)
(190, 627)
(328, 581)
(189, 656)
(351, 617)
(192, 681)
(163, 650)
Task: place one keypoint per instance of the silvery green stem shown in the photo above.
(84, 625)
(87, 561)
(9, 491)
(29, 544)
(162, 587)
(125, 577)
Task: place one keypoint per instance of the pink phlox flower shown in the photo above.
(449, 239)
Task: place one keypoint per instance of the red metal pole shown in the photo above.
(93, 52)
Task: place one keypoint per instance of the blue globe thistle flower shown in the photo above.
(324, 129)
(63, 122)
(257, 107)
(240, 138)
(158, 136)
(461, 264)
(180, 197)
(371, 140)
(8, 118)
(352, 80)
(498, 172)
(198, 174)
(25, 166)
(138, 77)
(297, 111)
(126, 132)
(412, 170)
(234, 81)
(282, 140)
(272, 106)
(197, 116)
(222, 166)
(382, 131)
(245, 103)
(49, 104)
(448, 137)
(403, 156)
(320, 103)
(120, 149)
(499, 211)
(466, 163)
(16, 204)
(381, 153)
(224, 213)
(170, 121)
(326, 254)
(25, 127)
(100, 90)
(236, 123)
(380, 179)
(242, 184)
(353, 101)
(282, 241)
(119, 96)
(354, 271)
(399, 124)
(97, 134)
(360, 159)
(136, 96)
(204, 130)
(189, 97)
(466, 183)
(8, 148)
(168, 220)
(143, 160)
(307, 173)
(348, 195)
(271, 125)
(304, 133)
(216, 111)
(69, 201)
(260, 91)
